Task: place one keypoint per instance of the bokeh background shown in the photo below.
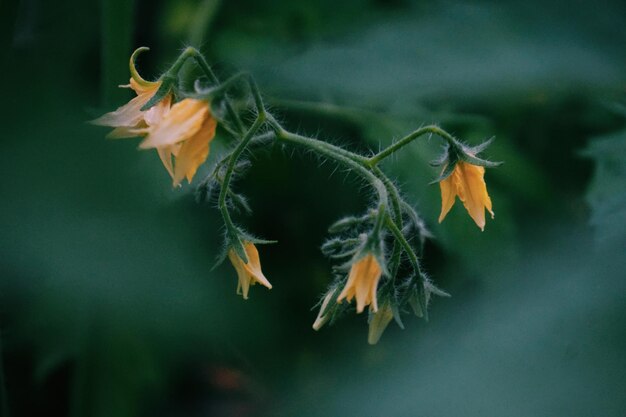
(109, 306)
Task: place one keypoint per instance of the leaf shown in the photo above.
(607, 191)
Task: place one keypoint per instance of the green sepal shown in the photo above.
(220, 258)
(443, 158)
(455, 152)
(433, 289)
(447, 171)
(475, 150)
(415, 306)
(350, 221)
(396, 315)
(255, 240)
(337, 248)
(239, 202)
(465, 157)
(417, 221)
(423, 297)
(418, 299)
(167, 84)
(234, 242)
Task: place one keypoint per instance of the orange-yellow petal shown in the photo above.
(128, 115)
(250, 273)
(467, 182)
(362, 283)
(253, 267)
(147, 87)
(194, 151)
(181, 122)
(475, 197)
(155, 114)
(448, 195)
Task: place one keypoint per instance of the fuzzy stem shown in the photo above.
(229, 107)
(394, 196)
(405, 245)
(419, 274)
(191, 52)
(230, 226)
(410, 138)
(233, 232)
(342, 156)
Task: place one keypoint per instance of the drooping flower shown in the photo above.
(180, 133)
(362, 283)
(182, 138)
(379, 322)
(128, 120)
(248, 273)
(466, 182)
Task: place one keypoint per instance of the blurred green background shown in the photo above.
(109, 307)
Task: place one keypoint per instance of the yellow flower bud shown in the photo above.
(248, 273)
(379, 322)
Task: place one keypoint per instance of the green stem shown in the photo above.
(397, 214)
(410, 138)
(230, 226)
(191, 52)
(339, 155)
(419, 274)
(209, 73)
(405, 245)
(327, 148)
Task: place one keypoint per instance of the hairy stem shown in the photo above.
(191, 52)
(394, 196)
(342, 156)
(230, 226)
(410, 138)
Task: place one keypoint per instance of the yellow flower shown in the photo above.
(182, 137)
(248, 273)
(181, 134)
(379, 322)
(362, 282)
(128, 119)
(466, 182)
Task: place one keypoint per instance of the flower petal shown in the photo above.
(362, 283)
(448, 195)
(128, 115)
(253, 267)
(183, 120)
(243, 279)
(475, 197)
(194, 151)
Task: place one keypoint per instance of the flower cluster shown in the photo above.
(181, 132)
(379, 251)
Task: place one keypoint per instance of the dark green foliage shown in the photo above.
(109, 307)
